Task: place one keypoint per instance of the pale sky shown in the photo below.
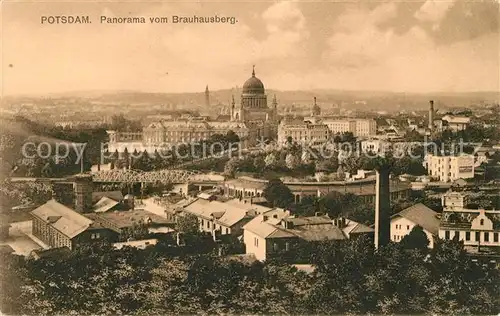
(403, 46)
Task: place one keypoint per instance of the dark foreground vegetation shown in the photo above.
(350, 278)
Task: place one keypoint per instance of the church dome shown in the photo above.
(253, 85)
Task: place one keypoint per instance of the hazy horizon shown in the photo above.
(325, 90)
(417, 47)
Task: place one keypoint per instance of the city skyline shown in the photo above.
(416, 47)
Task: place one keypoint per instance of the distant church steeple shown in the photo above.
(207, 97)
(316, 110)
(231, 110)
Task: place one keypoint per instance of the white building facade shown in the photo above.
(303, 133)
(450, 168)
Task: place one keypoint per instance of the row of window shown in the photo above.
(214, 226)
(399, 226)
(477, 236)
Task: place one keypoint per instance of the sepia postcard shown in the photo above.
(250, 157)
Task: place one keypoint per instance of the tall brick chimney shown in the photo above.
(382, 208)
(83, 192)
(431, 115)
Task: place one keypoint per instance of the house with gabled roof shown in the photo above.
(277, 232)
(218, 218)
(60, 226)
(403, 222)
(478, 229)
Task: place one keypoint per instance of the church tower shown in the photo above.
(231, 110)
(274, 108)
(207, 97)
(316, 110)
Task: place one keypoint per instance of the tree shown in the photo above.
(232, 138)
(416, 239)
(413, 136)
(328, 165)
(270, 160)
(187, 224)
(259, 164)
(278, 194)
(305, 157)
(136, 232)
(230, 167)
(291, 161)
(143, 162)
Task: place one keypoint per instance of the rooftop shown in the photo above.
(123, 219)
(62, 218)
(225, 214)
(422, 216)
(104, 205)
(114, 195)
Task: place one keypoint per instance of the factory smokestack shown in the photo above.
(431, 115)
(82, 186)
(382, 208)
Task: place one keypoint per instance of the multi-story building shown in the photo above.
(403, 222)
(454, 200)
(450, 168)
(365, 188)
(176, 132)
(250, 120)
(218, 218)
(303, 132)
(478, 229)
(382, 145)
(359, 127)
(339, 126)
(365, 127)
(277, 233)
(60, 226)
(455, 123)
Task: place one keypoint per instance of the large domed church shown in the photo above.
(251, 120)
(253, 110)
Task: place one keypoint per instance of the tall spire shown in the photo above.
(315, 101)
(275, 103)
(207, 97)
(253, 71)
(232, 101)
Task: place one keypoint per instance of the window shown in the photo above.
(227, 231)
(467, 235)
(481, 222)
(478, 235)
(287, 246)
(92, 236)
(275, 247)
(447, 234)
(486, 236)
(495, 237)
(407, 227)
(256, 242)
